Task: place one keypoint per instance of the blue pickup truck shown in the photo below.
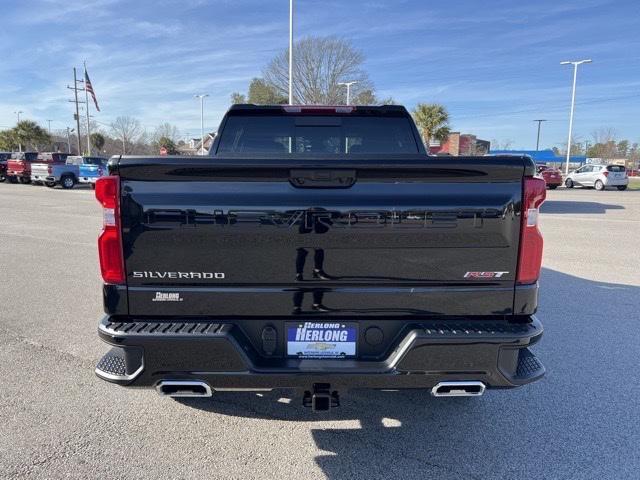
(64, 170)
(91, 168)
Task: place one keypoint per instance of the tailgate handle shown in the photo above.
(322, 178)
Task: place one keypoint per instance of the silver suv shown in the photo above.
(598, 177)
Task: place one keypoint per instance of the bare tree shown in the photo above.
(604, 135)
(604, 143)
(237, 97)
(501, 144)
(128, 131)
(320, 64)
(577, 146)
(166, 130)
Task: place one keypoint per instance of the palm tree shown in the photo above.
(432, 120)
(30, 134)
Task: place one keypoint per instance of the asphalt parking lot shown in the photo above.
(57, 420)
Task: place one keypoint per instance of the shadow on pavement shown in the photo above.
(570, 206)
(574, 423)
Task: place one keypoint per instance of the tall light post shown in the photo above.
(18, 114)
(49, 131)
(538, 138)
(573, 103)
(69, 130)
(201, 97)
(348, 85)
(290, 52)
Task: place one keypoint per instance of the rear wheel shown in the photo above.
(2, 178)
(67, 182)
(622, 187)
(568, 183)
(12, 179)
(50, 184)
(24, 180)
(553, 187)
(598, 185)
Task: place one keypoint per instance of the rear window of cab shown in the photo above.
(278, 134)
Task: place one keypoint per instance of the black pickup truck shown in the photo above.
(320, 249)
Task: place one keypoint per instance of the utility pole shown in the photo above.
(348, 85)
(290, 52)
(201, 97)
(18, 114)
(573, 103)
(538, 139)
(77, 114)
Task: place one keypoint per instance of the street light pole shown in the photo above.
(290, 52)
(49, 131)
(348, 85)
(69, 139)
(201, 97)
(573, 103)
(18, 114)
(538, 138)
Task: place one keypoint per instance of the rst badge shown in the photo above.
(484, 275)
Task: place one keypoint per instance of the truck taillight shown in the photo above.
(110, 239)
(530, 257)
(49, 169)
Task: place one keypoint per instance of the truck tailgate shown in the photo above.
(40, 170)
(371, 237)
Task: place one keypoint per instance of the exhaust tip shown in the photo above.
(458, 389)
(183, 388)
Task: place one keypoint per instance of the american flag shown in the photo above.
(89, 87)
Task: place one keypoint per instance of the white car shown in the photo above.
(598, 177)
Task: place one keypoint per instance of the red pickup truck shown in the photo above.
(19, 166)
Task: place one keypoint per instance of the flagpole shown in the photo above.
(86, 97)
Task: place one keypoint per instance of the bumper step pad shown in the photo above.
(484, 330)
(113, 363)
(163, 328)
(120, 364)
(528, 365)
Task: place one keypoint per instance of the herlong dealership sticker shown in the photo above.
(322, 340)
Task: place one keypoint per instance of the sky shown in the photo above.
(495, 65)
